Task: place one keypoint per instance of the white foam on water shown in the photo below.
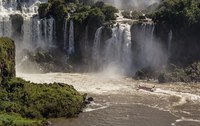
(95, 106)
(183, 96)
(184, 120)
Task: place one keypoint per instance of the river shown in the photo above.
(118, 102)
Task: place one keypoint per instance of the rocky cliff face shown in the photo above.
(7, 58)
(182, 43)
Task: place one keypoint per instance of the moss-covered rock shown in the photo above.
(173, 74)
(193, 71)
(146, 73)
(37, 101)
(7, 58)
(17, 24)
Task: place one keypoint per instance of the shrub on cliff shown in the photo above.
(84, 14)
(7, 58)
(177, 75)
(39, 100)
(44, 9)
(146, 73)
(193, 71)
(87, 2)
(178, 12)
(109, 12)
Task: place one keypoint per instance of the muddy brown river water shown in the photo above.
(117, 102)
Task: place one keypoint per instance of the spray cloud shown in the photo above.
(136, 4)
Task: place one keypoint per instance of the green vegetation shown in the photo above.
(84, 13)
(26, 103)
(171, 73)
(7, 58)
(178, 12)
(98, 12)
(80, 11)
(44, 9)
(146, 73)
(132, 15)
(39, 101)
(175, 74)
(17, 120)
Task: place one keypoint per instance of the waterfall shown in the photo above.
(126, 50)
(86, 48)
(152, 33)
(71, 38)
(1, 6)
(118, 49)
(65, 35)
(116, 53)
(150, 52)
(50, 32)
(44, 21)
(5, 26)
(37, 33)
(170, 35)
(96, 47)
(19, 20)
(26, 44)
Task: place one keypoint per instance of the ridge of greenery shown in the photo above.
(178, 12)
(79, 10)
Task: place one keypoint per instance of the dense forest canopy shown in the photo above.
(178, 12)
(80, 10)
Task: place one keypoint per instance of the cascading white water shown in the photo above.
(170, 35)
(152, 33)
(65, 35)
(37, 33)
(5, 26)
(86, 49)
(118, 49)
(116, 54)
(44, 21)
(71, 38)
(150, 52)
(96, 47)
(27, 34)
(50, 27)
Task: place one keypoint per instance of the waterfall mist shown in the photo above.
(115, 56)
(19, 20)
(123, 53)
(151, 53)
(134, 4)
